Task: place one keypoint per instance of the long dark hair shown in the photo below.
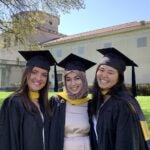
(97, 97)
(23, 92)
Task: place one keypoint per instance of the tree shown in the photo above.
(12, 23)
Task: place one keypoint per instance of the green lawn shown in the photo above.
(144, 102)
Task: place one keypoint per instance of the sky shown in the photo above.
(103, 13)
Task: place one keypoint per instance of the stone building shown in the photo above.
(133, 39)
(11, 63)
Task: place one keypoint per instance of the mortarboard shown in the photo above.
(116, 59)
(40, 58)
(74, 62)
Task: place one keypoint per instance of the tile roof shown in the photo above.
(98, 32)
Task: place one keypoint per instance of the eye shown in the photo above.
(33, 72)
(101, 70)
(77, 78)
(68, 79)
(45, 75)
(111, 72)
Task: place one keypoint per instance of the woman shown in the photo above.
(70, 126)
(24, 116)
(117, 114)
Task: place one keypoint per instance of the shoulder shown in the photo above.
(56, 99)
(12, 102)
(122, 103)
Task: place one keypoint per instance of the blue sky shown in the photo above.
(104, 13)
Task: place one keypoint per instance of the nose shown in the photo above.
(73, 82)
(104, 74)
(38, 77)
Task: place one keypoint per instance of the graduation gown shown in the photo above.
(22, 130)
(118, 126)
(58, 125)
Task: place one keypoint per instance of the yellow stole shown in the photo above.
(73, 101)
(104, 92)
(34, 95)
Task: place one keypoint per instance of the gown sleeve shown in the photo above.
(9, 126)
(127, 130)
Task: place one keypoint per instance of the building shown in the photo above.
(11, 63)
(133, 39)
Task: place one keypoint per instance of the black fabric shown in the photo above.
(74, 62)
(21, 130)
(58, 122)
(114, 61)
(55, 79)
(118, 127)
(113, 54)
(41, 58)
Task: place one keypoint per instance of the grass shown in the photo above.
(3, 95)
(144, 102)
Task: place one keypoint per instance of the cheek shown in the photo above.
(80, 83)
(115, 80)
(98, 74)
(67, 84)
(45, 79)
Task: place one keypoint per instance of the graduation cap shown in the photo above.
(74, 62)
(41, 58)
(116, 59)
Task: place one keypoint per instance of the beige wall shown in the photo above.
(125, 41)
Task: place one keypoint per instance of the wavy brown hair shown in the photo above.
(23, 92)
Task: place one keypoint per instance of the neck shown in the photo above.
(34, 95)
(104, 92)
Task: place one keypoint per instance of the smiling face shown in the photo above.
(107, 77)
(37, 79)
(73, 83)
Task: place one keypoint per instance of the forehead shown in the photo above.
(39, 69)
(71, 73)
(108, 68)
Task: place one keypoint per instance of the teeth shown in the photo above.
(103, 81)
(36, 83)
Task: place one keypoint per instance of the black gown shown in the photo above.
(118, 126)
(58, 122)
(22, 130)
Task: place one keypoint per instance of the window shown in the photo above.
(50, 22)
(142, 42)
(106, 45)
(58, 52)
(16, 41)
(80, 50)
(7, 42)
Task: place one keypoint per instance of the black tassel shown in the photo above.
(55, 79)
(133, 82)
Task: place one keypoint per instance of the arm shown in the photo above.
(9, 126)
(127, 133)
